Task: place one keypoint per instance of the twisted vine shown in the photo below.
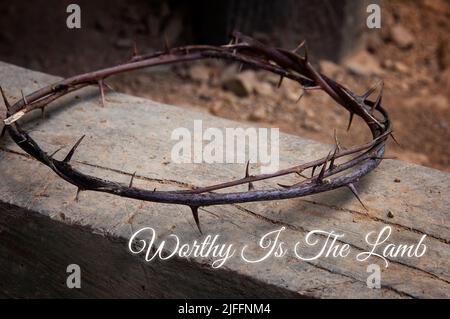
(325, 173)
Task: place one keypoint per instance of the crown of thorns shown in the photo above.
(325, 173)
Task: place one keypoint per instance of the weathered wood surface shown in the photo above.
(46, 229)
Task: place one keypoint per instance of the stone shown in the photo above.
(311, 125)
(364, 64)
(401, 37)
(241, 84)
(373, 42)
(199, 73)
(401, 67)
(438, 101)
(258, 115)
(263, 88)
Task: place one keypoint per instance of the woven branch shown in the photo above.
(325, 173)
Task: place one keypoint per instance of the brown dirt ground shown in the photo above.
(417, 82)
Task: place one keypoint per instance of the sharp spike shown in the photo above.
(78, 193)
(350, 120)
(299, 46)
(336, 141)
(322, 171)
(306, 52)
(132, 179)
(72, 151)
(355, 192)
(25, 102)
(3, 131)
(379, 98)
(240, 67)
(371, 90)
(197, 220)
(280, 81)
(5, 100)
(384, 157)
(102, 91)
(313, 171)
(43, 112)
(395, 140)
(247, 168)
(333, 157)
(250, 185)
(301, 175)
(54, 153)
(108, 86)
(300, 97)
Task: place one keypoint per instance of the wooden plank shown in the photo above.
(133, 134)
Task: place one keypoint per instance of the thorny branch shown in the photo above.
(243, 49)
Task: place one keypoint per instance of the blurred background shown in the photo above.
(410, 52)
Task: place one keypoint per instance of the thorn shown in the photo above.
(333, 157)
(78, 193)
(301, 175)
(109, 87)
(300, 97)
(313, 171)
(299, 46)
(3, 131)
(72, 151)
(132, 178)
(54, 153)
(350, 120)
(306, 52)
(240, 67)
(384, 157)
(246, 169)
(395, 140)
(25, 102)
(371, 90)
(102, 91)
(24, 139)
(355, 192)
(322, 171)
(336, 141)
(43, 112)
(280, 81)
(5, 100)
(250, 185)
(197, 221)
(379, 98)
(154, 189)
(284, 186)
